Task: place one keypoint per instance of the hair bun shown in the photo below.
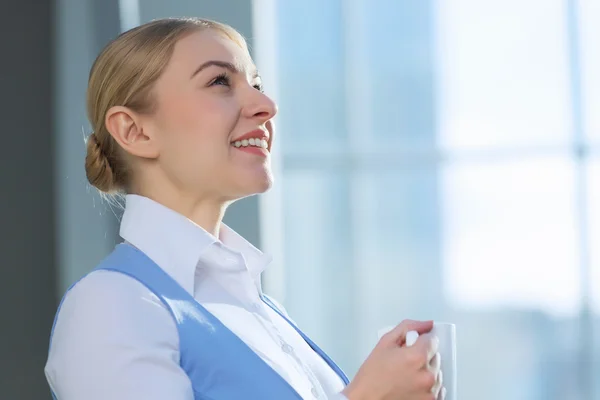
(97, 167)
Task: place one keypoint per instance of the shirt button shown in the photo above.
(314, 392)
(287, 348)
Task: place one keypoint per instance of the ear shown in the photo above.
(126, 127)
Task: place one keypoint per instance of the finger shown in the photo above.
(436, 389)
(427, 345)
(442, 395)
(436, 363)
(397, 336)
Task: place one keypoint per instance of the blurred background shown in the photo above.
(436, 159)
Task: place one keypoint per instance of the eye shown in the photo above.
(224, 80)
(221, 80)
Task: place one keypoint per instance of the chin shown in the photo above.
(262, 185)
(256, 185)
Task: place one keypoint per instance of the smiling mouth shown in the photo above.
(252, 142)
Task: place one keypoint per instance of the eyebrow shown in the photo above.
(223, 64)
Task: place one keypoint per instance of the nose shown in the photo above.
(260, 107)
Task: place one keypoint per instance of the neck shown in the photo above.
(207, 213)
(204, 209)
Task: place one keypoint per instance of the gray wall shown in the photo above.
(28, 245)
(86, 225)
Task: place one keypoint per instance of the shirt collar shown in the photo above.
(256, 260)
(180, 246)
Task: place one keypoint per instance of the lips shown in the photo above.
(256, 141)
(255, 134)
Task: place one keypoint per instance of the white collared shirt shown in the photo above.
(114, 339)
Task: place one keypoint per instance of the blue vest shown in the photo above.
(219, 364)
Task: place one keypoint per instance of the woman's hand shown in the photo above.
(396, 372)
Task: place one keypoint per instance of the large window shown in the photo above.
(438, 161)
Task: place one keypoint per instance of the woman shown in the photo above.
(182, 127)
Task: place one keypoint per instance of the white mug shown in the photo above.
(446, 333)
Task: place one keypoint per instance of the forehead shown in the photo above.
(207, 45)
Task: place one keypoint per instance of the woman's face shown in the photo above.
(212, 121)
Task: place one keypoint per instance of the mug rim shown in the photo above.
(443, 323)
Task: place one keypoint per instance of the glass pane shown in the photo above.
(491, 247)
(400, 56)
(318, 259)
(511, 275)
(515, 222)
(311, 78)
(502, 73)
(589, 17)
(360, 255)
(396, 249)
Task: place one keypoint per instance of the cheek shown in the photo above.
(196, 130)
(206, 117)
(183, 115)
(193, 155)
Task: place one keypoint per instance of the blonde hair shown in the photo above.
(124, 74)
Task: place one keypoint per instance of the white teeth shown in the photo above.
(252, 142)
